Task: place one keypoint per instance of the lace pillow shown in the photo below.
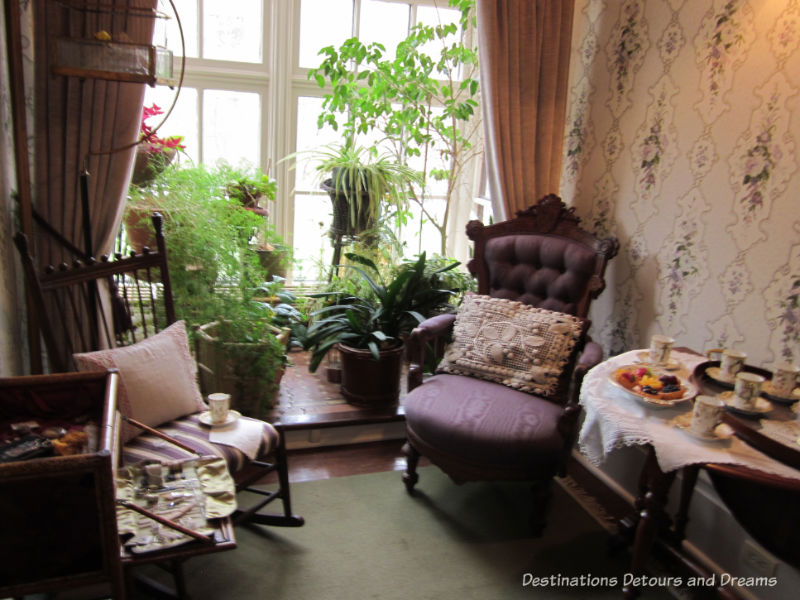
(511, 343)
(157, 380)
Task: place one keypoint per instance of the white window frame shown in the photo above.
(280, 81)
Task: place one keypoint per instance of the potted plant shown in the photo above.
(154, 153)
(243, 354)
(215, 282)
(368, 330)
(251, 188)
(361, 182)
(422, 101)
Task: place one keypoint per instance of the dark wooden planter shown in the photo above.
(342, 225)
(366, 381)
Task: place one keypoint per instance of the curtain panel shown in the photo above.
(83, 124)
(524, 58)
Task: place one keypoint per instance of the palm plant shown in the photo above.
(378, 320)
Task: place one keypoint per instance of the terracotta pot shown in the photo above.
(366, 381)
(139, 228)
(147, 164)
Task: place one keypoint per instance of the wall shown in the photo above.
(682, 142)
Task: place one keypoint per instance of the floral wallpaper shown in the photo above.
(681, 141)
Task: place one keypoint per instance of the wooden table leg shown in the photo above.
(651, 518)
(689, 479)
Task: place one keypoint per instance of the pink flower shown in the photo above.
(148, 137)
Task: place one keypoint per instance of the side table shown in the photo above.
(616, 418)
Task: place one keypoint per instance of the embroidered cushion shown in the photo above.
(512, 343)
(157, 378)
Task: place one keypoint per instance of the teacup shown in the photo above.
(746, 390)
(784, 379)
(707, 414)
(219, 405)
(730, 361)
(660, 349)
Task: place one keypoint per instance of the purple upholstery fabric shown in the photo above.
(188, 430)
(486, 423)
(546, 272)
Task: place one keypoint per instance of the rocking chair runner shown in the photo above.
(70, 304)
(478, 430)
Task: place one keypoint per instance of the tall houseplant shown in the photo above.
(421, 102)
(368, 330)
(216, 278)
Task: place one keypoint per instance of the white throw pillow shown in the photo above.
(511, 343)
(157, 378)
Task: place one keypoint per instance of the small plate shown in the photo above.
(205, 418)
(690, 392)
(721, 432)
(671, 365)
(716, 374)
(790, 399)
(762, 406)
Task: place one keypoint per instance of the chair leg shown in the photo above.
(542, 492)
(410, 476)
(287, 519)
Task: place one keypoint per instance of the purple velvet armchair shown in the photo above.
(478, 430)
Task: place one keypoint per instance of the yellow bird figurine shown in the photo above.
(103, 36)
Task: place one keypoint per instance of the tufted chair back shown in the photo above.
(541, 258)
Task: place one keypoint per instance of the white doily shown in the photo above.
(614, 419)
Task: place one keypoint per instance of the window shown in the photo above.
(246, 97)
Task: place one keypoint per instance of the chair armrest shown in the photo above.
(427, 331)
(591, 356)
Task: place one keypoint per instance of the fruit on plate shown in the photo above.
(646, 382)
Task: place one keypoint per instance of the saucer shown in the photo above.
(720, 433)
(791, 398)
(761, 407)
(670, 365)
(205, 418)
(717, 375)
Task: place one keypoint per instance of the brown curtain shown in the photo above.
(78, 121)
(524, 55)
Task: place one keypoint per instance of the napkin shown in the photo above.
(243, 434)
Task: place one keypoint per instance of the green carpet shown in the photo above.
(365, 538)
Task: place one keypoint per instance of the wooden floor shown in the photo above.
(339, 461)
(308, 401)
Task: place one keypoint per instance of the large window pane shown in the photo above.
(312, 247)
(232, 30)
(231, 127)
(167, 30)
(323, 23)
(181, 121)
(309, 137)
(384, 22)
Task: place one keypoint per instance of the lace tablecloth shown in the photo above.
(614, 419)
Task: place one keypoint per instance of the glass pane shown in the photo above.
(167, 31)
(323, 23)
(420, 235)
(312, 247)
(309, 137)
(232, 30)
(231, 127)
(433, 16)
(384, 22)
(181, 121)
